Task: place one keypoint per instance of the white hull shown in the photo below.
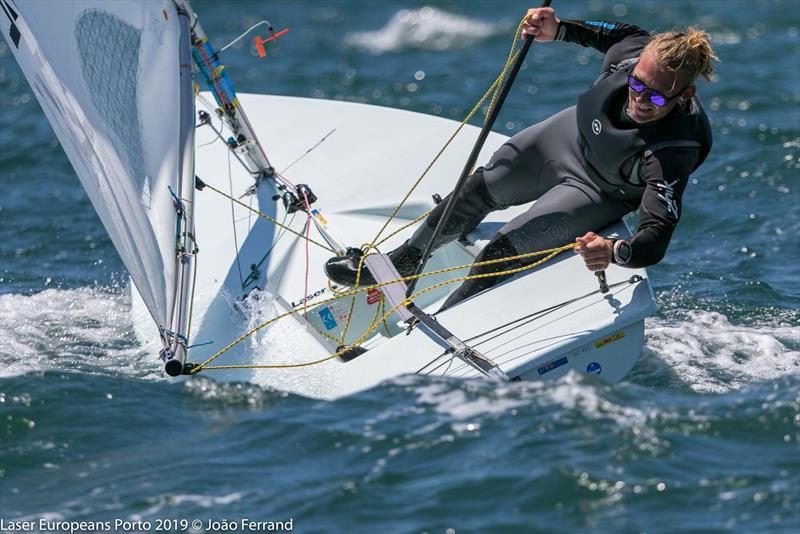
(360, 173)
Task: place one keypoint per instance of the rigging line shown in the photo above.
(191, 299)
(446, 361)
(527, 320)
(254, 174)
(210, 108)
(368, 331)
(250, 214)
(469, 165)
(442, 357)
(286, 180)
(251, 28)
(267, 217)
(280, 234)
(551, 253)
(233, 223)
(435, 159)
(523, 321)
(307, 152)
(308, 233)
(385, 324)
(372, 326)
(545, 311)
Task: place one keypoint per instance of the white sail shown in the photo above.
(107, 75)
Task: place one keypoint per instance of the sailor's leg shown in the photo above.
(568, 210)
(472, 205)
(519, 172)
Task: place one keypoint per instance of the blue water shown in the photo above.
(702, 436)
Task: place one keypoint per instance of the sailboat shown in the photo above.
(215, 211)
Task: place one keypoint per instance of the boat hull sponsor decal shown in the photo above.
(554, 364)
(610, 339)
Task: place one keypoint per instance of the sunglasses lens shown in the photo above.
(635, 84)
(658, 99)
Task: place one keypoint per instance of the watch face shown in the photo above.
(624, 252)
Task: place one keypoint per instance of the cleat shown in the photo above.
(351, 353)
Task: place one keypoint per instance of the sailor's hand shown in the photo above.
(541, 23)
(596, 251)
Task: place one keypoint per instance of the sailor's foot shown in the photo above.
(344, 269)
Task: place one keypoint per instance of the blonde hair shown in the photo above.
(688, 54)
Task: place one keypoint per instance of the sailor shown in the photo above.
(630, 143)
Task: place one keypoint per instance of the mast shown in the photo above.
(176, 338)
(244, 140)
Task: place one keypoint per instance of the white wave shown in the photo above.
(710, 354)
(427, 28)
(69, 329)
(288, 341)
(90, 329)
(452, 401)
(703, 350)
(573, 392)
(169, 503)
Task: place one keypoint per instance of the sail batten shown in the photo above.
(108, 76)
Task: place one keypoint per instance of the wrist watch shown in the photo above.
(622, 252)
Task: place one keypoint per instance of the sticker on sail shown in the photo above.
(594, 368)
(549, 366)
(327, 318)
(610, 339)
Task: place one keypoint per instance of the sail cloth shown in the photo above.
(106, 74)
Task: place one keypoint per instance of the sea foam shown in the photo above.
(427, 28)
(90, 329)
(86, 329)
(709, 353)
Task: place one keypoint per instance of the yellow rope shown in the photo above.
(372, 326)
(549, 253)
(512, 56)
(495, 87)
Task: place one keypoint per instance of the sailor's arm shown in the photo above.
(542, 23)
(666, 174)
(598, 34)
(617, 40)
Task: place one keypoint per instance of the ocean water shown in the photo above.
(702, 436)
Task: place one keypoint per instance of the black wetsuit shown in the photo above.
(583, 180)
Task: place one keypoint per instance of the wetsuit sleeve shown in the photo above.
(598, 34)
(665, 173)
